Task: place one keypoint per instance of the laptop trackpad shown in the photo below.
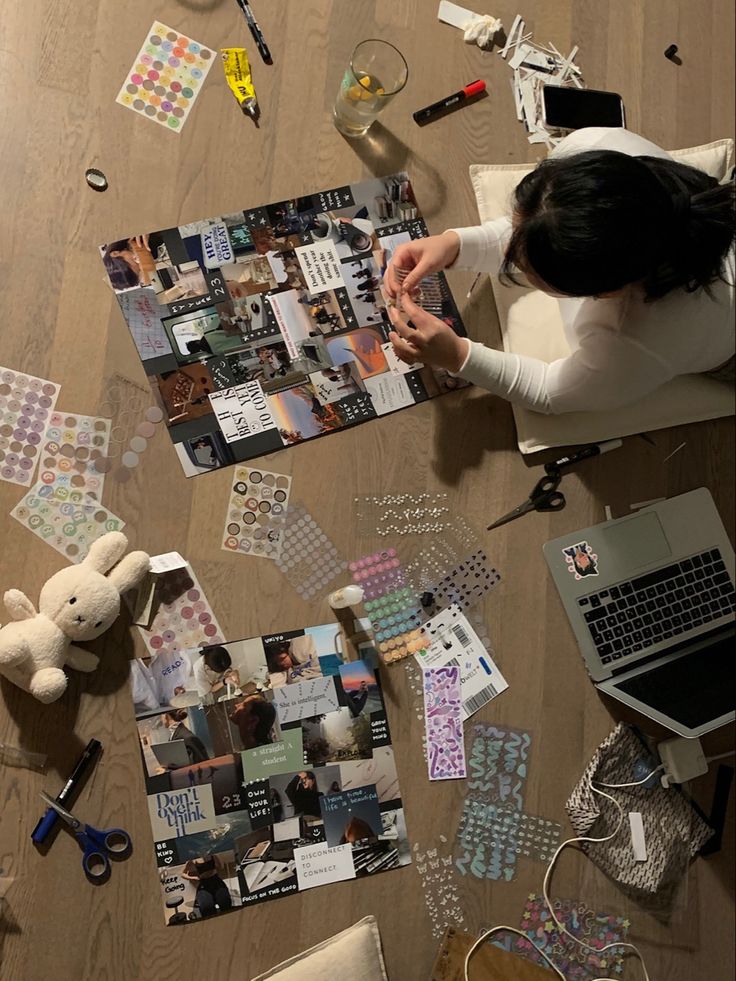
(638, 541)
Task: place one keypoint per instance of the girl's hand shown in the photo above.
(420, 257)
(418, 336)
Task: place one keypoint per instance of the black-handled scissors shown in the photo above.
(98, 846)
(544, 497)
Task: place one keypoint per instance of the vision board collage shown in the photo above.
(264, 328)
(269, 770)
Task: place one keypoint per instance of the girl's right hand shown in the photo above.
(420, 257)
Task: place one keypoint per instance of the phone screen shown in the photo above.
(576, 108)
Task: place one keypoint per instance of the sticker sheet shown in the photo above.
(256, 513)
(252, 795)
(451, 641)
(269, 326)
(466, 584)
(166, 77)
(68, 521)
(72, 447)
(26, 405)
(309, 559)
(588, 926)
(443, 723)
(494, 830)
(391, 605)
(183, 618)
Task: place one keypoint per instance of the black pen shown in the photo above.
(255, 31)
(595, 449)
(50, 817)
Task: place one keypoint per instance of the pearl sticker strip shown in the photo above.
(403, 514)
(256, 513)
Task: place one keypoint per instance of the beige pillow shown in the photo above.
(531, 325)
(355, 954)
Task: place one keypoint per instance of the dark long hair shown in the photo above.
(595, 222)
(120, 274)
(266, 715)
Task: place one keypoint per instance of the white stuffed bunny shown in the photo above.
(78, 603)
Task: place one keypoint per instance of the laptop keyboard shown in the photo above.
(634, 615)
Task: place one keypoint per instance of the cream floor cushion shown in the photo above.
(531, 325)
(354, 954)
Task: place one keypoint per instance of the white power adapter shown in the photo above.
(683, 760)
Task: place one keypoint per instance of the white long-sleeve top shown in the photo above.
(621, 348)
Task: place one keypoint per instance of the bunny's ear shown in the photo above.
(129, 571)
(106, 551)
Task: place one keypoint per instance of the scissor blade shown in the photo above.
(61, 811)
(512, 515)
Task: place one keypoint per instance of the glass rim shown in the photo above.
(380, 40)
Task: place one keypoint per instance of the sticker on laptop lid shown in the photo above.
(581, 560)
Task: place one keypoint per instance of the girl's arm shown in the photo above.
(607, 371)
(482, 247)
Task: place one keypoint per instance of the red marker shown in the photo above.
(456, 99)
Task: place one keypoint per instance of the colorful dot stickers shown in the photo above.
(71, 446)
(184, 618)
(256, 513)
(67, 520)
(166, 77)
(391, 605)
(26, 405)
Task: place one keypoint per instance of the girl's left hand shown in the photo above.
(418, 336)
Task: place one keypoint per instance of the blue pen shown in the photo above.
(41, 832)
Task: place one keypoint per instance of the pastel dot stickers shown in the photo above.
(256, 513)
(392, 606)
(166, 77)
(377, 573)
(309, 560)
(67, 520)
(184, 618)
(72, 444)
(26, 405)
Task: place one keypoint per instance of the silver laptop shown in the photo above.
(651, 601)
(171, 755)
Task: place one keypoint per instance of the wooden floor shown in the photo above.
(61, 65)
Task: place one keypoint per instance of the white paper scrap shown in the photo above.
(451, 640)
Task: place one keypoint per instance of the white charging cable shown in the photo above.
(545, 892)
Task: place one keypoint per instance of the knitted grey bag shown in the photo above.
(673, 831)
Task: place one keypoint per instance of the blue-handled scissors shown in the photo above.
(544, 497)
(98, 846)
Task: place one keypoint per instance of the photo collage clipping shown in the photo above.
(269, 770)
(267, 327)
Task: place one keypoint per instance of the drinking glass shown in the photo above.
(376, 73)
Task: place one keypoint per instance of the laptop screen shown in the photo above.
(693, 689)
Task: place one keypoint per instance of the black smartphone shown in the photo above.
(568, 108)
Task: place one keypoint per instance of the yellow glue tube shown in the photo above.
(237, 74)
